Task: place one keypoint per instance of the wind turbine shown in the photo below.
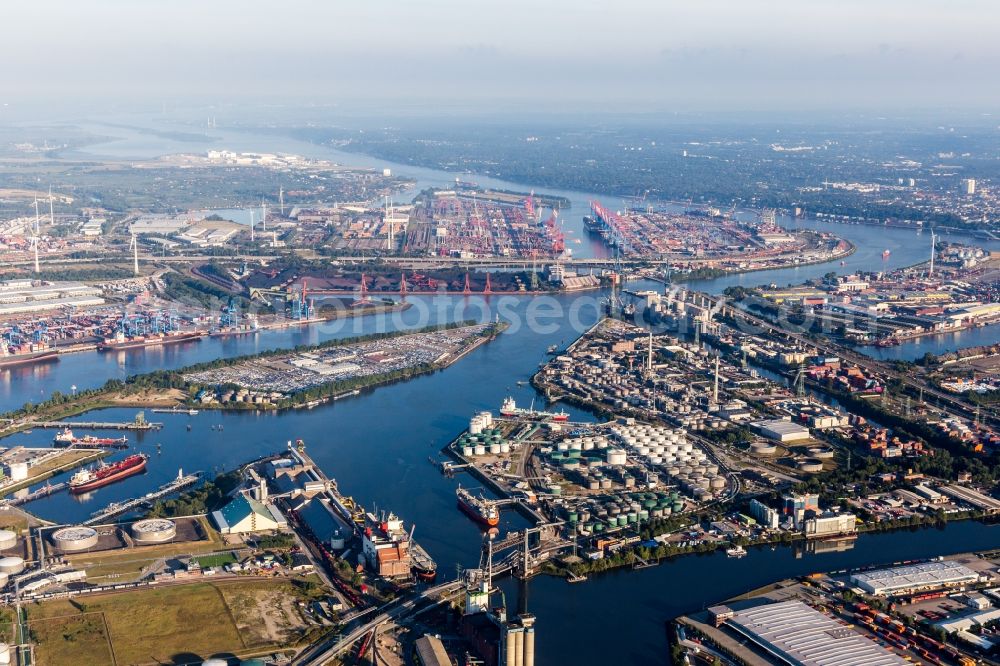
(34, 243)
(36, 216)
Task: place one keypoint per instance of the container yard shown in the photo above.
(461, 224)
(711, 239)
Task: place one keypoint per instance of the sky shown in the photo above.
(549, 54)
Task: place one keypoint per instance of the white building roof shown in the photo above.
(928, 574)
(802, 636)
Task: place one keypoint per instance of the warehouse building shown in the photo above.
(20, 296)
(796, 634)
(245, 514)
(972, 497)
(431, 652)
(780, 430)
(925, 577)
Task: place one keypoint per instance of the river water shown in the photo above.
(377, 445)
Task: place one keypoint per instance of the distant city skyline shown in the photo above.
(591, 56)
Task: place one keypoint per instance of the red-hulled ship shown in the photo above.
(67, 438)
(91, 479)
(478, 508)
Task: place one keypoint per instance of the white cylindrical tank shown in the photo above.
(11, 565)
(71, 539)
(8, 539)
(153, 530)
(616, 457)
(5, 655)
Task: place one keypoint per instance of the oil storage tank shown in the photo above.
(11, 565)
(153, 530)
(73, 539)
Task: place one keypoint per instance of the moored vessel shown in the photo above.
(510, 408)
(121, 341)
(25, 354)
(478, 508)
(67, 438)
(91, 479)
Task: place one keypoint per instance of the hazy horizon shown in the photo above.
(643, 56)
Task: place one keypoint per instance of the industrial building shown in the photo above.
(822, 527)
(245, 514)
(972, 497)
(929, 576)
(431, 652)
(796, 634)
(19, 296)
(765, 515)
(781, 430)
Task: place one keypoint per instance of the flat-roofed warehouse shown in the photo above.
(781, 430)
(915, 578)
(796, 634)
(973, 497)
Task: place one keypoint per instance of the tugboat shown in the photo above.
(736, 551)
(478, 508)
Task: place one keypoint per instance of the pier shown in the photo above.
(118, 508)
(139, 424)
(44, 491)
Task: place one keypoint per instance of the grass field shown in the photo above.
(217, 560)
(152, 626)
(79, 639)
(145, 626)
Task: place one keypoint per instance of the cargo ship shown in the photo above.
(510, 408)
(478, 508)
(91, 479)
(390, 550)
(38, 352)
(424, 566)
(122, 341)
(67, 438)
